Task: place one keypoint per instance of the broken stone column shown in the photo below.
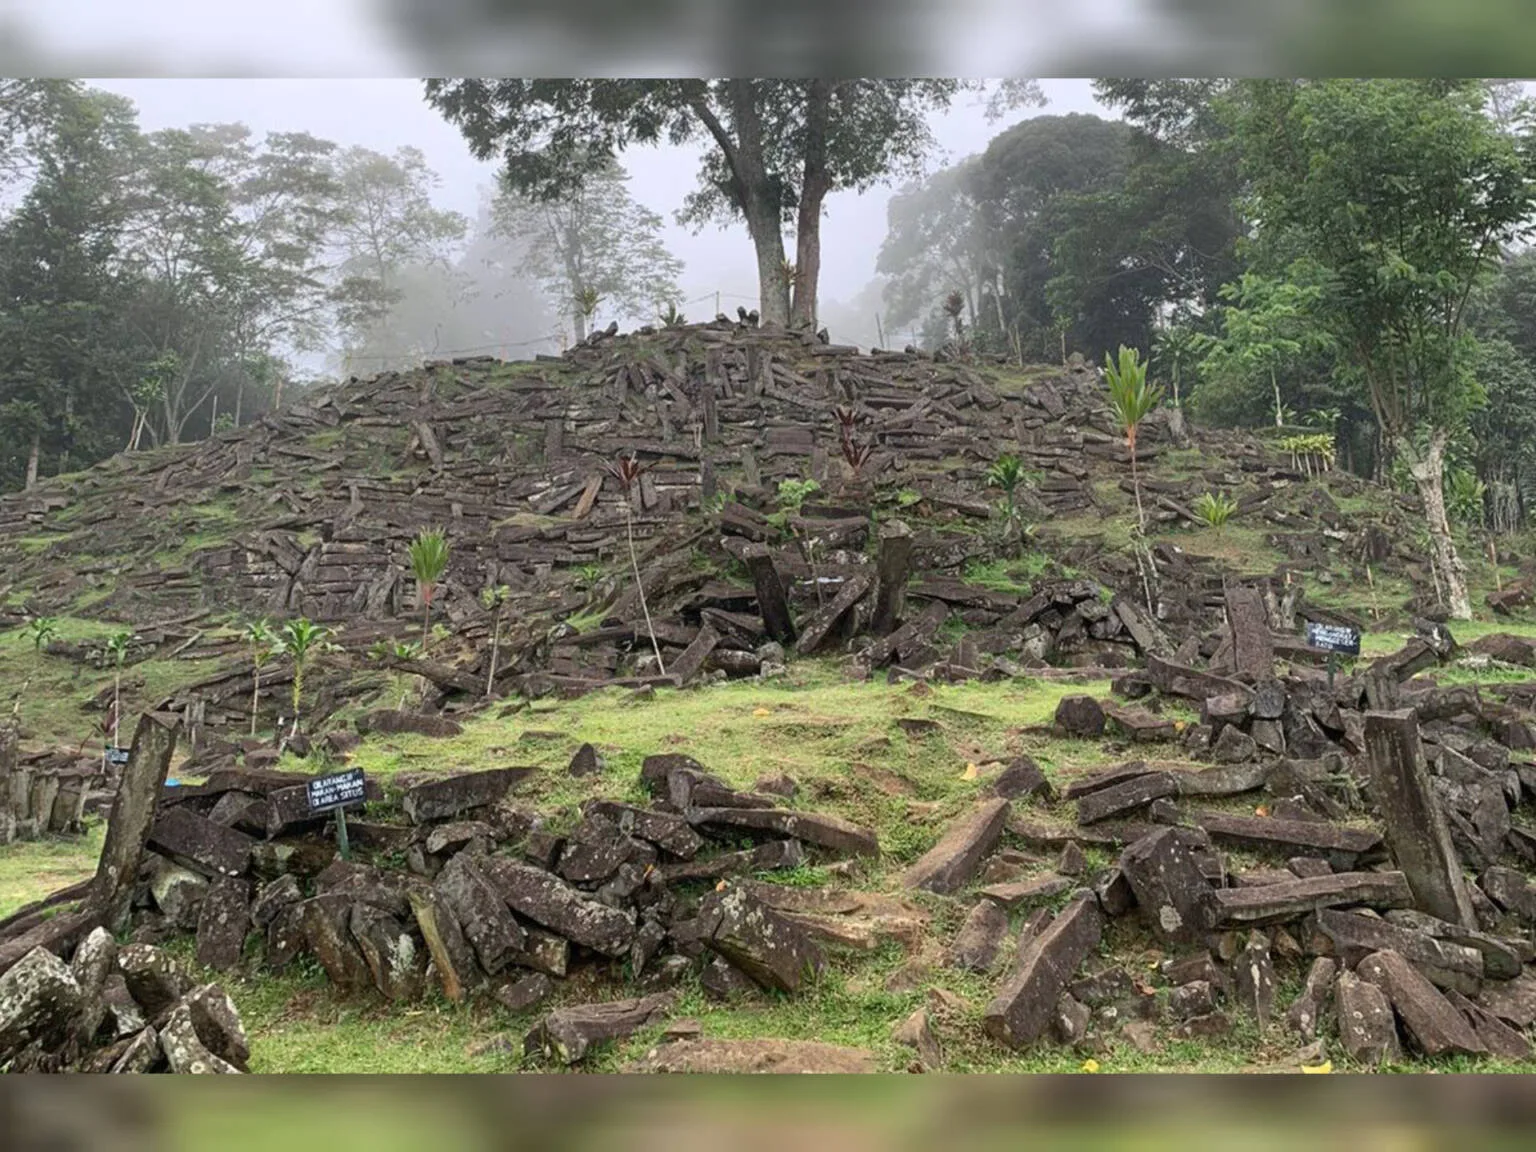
(133, 815)
(1172, 892)
(895, 567)
(1253, 648)
(1416, 830)
(1025, 1006)
(772, 603)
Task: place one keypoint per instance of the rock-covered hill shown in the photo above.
(905, 562)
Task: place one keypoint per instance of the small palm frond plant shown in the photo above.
(1007, 473)
(1311, 452)
(671, 317)
(627, 470)
(494, 599)
(260, 639)
(1215, 509)
(429, 560)
(1132, 399)
(301, 641)
(117, 651)
(40, 630)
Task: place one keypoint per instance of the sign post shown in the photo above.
(1333, 639)
(332, 794)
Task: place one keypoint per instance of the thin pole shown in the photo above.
(341, 834)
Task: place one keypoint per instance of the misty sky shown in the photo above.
(384, 114)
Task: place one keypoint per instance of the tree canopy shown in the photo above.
(775, 149)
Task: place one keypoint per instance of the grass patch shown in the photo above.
(32, 869)
(832, 736)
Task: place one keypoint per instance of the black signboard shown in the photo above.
(1333, 638)
(334, 791)
(117, 756)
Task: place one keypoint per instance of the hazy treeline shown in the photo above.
(158, 286)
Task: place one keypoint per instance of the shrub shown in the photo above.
(1215, 509)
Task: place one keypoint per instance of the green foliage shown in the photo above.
(556, 136)
(301, 641)
(40, 630)
(791, 495)
(1394, 198)
(117, 646)
(671, 316)
(396, 649)
(1008, 473)
(429, 561)
(596, 244)
(1309, 446)
(1465, 497)
(1268, 328)
(257, 635)
(1131, 397)
(1215, 509)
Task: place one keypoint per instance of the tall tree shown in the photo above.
(1163, 236)
(1268, 327)
(63, 346)
(184, 241)
(481, 302)
(282, 197)
(775, 148)
(1398, 196)
(936, 243)
(386, 223)
(596, 244)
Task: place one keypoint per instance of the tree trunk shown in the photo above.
(32, 460)
(772, 288)
(807, 261)
(1428, 472)
(814, 186)
(579, 323)
(760, 203)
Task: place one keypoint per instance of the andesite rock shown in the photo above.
(155, 979)
(767, 946)
(1306, 1011)
(820, 829)
(976, 945)
(449, 797)
(1367, 1026)
(1176, 900)
(200, 844)
(1080, 716)
(549, 901)
(1024, 1006)
(568, 1034)
(223, 924)
(1429, 1018)
(1253, 978)
(954, 861)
